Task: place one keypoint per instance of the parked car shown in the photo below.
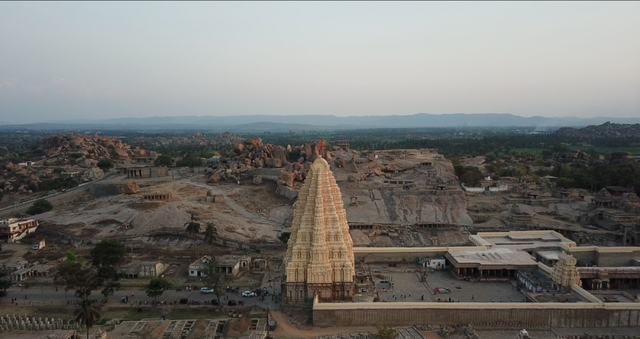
(206, 290)
(248, 294)
(214, 301)
(232, 303)
(184, 301)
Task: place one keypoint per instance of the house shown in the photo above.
(40, 270)
(227, 264)
(197, 268)
(145, 269)
(14, 229)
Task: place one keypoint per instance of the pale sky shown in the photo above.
(93, 60)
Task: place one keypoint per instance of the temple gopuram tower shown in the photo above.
(319, 257)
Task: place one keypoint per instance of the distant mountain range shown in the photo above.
(317, 122)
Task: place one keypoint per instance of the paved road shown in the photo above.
(47, 295)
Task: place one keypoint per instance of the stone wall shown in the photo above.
(621, 257)
(531, 314)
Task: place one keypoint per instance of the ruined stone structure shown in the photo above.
(319, 260)
(138, 172)
(564, 272)
(157, 196)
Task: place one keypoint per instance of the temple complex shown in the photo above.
(319, 260)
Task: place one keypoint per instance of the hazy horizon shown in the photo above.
(88, 60)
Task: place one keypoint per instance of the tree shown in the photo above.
(4, 285)
(88, 314)
(105, 255)
(385, 332)
(40, 206)
(107, 252)
(284, 237)
(163, 160)
(74, 274)
(105, 164)
(214, 278)
(210, 233)
(193, 226)
(156, 288)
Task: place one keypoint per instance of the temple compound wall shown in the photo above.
(511, 314)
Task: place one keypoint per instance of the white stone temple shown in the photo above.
(319, 257)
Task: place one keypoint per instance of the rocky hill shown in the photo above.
(62, 161)
(606, 130)
(86, 151)
(394, 186)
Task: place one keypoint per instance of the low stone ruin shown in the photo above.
(9, 323)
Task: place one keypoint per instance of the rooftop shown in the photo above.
(494, 256)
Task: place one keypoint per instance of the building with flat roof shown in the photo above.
(14, 229)
(489, 264)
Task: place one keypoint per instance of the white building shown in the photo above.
(14, 229)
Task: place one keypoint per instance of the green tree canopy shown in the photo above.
(108, 252)
(163, 160)
(76, 275)
(214, 278)
(87, 314)
(284, 237)
(192, 226)
(210, 233)
(157, 287)
(105, 164)
(40, 206)
(4, 285)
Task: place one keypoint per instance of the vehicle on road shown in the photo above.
(232, 303)
(248, 294)
(206, 290)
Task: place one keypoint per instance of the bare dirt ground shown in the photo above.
(285, 330)
(256, 216)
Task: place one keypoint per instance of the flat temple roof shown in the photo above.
(492, 257)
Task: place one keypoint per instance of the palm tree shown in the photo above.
(210, 233)
(193, 227)
(88, 314)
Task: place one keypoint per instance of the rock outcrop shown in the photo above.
(84, 150)
(131, 187)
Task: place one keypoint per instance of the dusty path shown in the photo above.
(285, 330)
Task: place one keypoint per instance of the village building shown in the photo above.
(14, 229)
(40, 270)
(145, 269)
(227, 264)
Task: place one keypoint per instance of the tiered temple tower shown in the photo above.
(319, 257)
(565, 272)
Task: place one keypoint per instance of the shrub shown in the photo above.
(40, 206)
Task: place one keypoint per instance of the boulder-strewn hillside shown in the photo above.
(394, 186)
(86, 151)
(606, 130)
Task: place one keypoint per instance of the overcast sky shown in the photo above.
(88, 60)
